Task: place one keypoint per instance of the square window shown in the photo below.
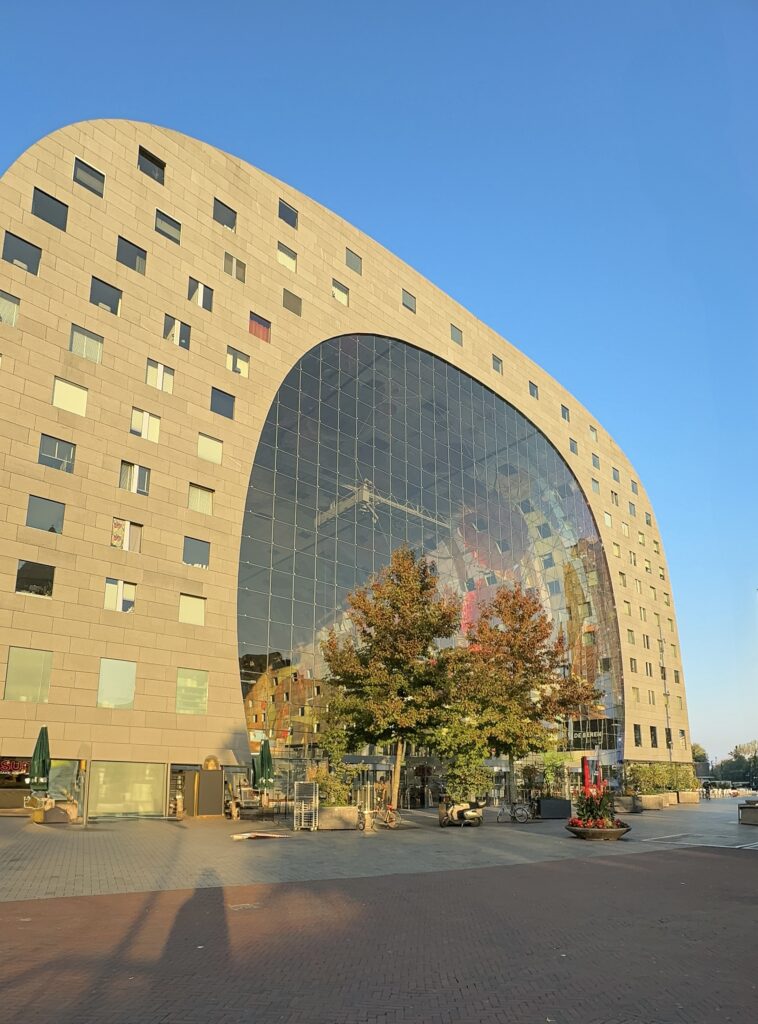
(120, 596)
(49, 209)
(259, 327)
(145, 424)
(86, 344)
(192, 610)
(573, 446)
(340, 293)
(168, 227)
(456, 334)
(554, 587)
(69, 397)
(159, 376)
(21, 253)
(196, 552)
(292, 302)
(200, 499)
(176, 331)
(615, 474)
(210, 448)
(287, 213)
(105, 296)
(409, 301)
(116, 684)
(534, 391)
(234, 267)
(131, 255)
(28, 675)
(45, 514)
(200, 294)
(88, 177)
(35, 578)
(126, 535)
(497, 364)
(222, 403)
(224, 215)
(237, 362)
(151, 165)
(596, 461)
(56, 453)
(9, 305)
(565, 414)
(287, 257)
(354, 261)
(134, 478)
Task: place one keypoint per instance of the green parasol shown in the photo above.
(39, 771)
(266, 778)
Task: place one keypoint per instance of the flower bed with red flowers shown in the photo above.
(597, 823)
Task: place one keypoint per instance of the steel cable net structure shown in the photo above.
(372, 443)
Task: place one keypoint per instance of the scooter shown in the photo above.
(468, 812)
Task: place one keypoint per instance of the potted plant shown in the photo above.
(594, 812)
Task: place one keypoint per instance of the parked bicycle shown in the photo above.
(517, 810)
(387, 817)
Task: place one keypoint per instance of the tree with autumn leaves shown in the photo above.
(396, 681)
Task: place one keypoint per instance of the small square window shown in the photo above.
(152, 166)
(168, 227)
(573, 446)
(234, 267)
(145, 424)
(287, 213)
(120, 596)
(86, 344)
(409, 301)
(28, 675)
(596, 461)
(222, 403)
(35, 578)
(69, 397)
(292, 302)
(200, 499)
(192, 610)
(224, 215)
(259, 327)
(159, 376)
(9, 306)
(200, 294)
(88, 177)
(105, 296)
(497, 364)
(49, 209)
(116, 684)
(354, 261)
(565, 414)
(175, 331)
(210, 449)
(287, 257)
(21, 253)
(196, 553)
(237, 361)
(56, 453)
(45, 514)
(131, 255)
(534, 391)
(340, 293)
(456, 334)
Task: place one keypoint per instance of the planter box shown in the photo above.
(337, 817)
(653, 801)
(550, 807)
(602, 834)
(627, 804)
(688, 796)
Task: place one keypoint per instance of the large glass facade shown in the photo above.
(372, 443)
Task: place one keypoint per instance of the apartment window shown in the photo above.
(615, 474)
(596, 461)
(210, 448)
(9, 305)
(614, 497)
(131, 255)
(354, 261)
(646, 641)
(192, 610)
(86, 344)
(632, 509)
(648, 519)
(196, 552)
(45, 514)
(554, 587)
(677, 678)
(237, 362)
(56, 453)
(682, 738)
(49, 209)
(596, 486)
(105, 296)
(627, 607)
(35, 578)
(126, 535)
(663, 672)
(643, 615)
(409, 301)
(679, 704)
(573, 446)
(548, 561)
(200, 294)
(134, 478)
(565, 414)
(608, 518)
(671, 625)
(636, 694)
(224, 215)
(497, 364)
(648, 567)
(638, 586)
(222, 403)
(617, 549)
(159, 376)
(145, 424)
(534, 391)
(200, 499)
(635, 488)
(234, 267)
(656, 547)
(666, 599)
(638, 735)
(116, 684)
(69, 397)
(456, 334)
(625, 529)
(28, 675)
(151, 165)
(653, 736)
(120, 596)
(292, 302)
(649, 670)
(633, 558)
(593, 433)
(21, 253)
(633, 664)
(89, 178)
(287, 213)
(259, 327)
(287, 257)
(340, 293)
(168, 227)
(630, 636)
(176, 331)
(622, 578)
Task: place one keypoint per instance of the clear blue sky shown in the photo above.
(582, 176)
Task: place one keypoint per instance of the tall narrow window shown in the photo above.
(260, 327)
(340, 293)
(131, 255)
(88, 177)
(354, 261)
(534, 391)
(456, 334)
(565, 414)
(573, 446)
(21, 253)
(151, 165)
(49, 209)
(86, 344)
(9, 305)
(224, 215)
(653, 736)
(638, 735)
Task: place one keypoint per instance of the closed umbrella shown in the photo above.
(266, 779)
(40, 768)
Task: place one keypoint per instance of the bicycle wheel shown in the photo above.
(502, 815)
(521, 814)
(361, 821)
(392, 820)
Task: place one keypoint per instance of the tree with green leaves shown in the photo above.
(699, 754)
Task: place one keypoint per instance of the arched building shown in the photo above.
(222, 407)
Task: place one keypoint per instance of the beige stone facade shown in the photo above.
(74, 624)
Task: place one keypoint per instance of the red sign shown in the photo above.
(14, 765)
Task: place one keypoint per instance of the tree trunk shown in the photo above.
(399, 757)
(511, 779)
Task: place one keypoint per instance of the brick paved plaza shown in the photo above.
(502, 924)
